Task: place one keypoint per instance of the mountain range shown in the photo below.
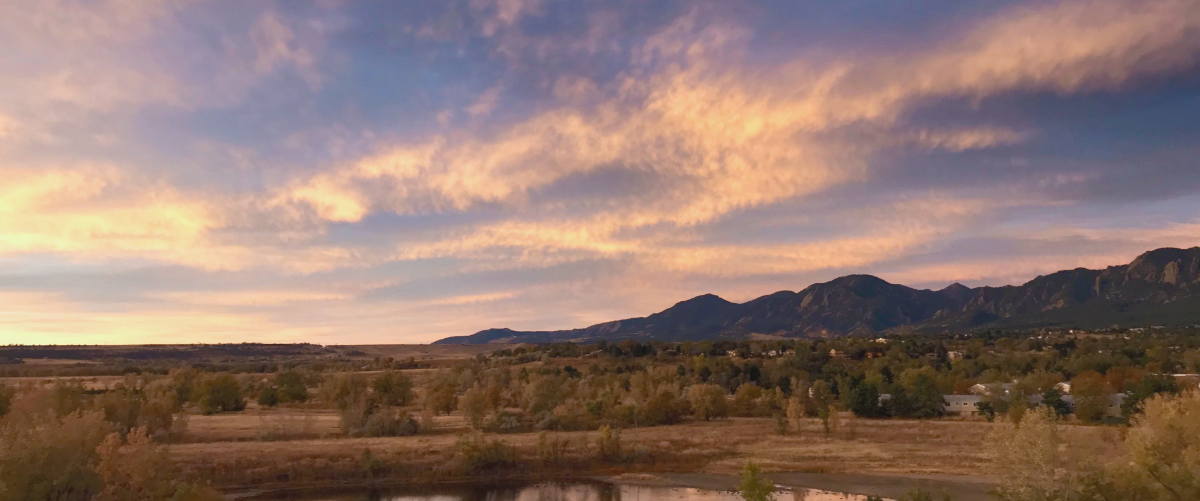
(1160, 287)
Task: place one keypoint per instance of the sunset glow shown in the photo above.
(399, 172)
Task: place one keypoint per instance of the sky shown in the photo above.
(341, 172)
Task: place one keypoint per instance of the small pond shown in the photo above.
(556, 491)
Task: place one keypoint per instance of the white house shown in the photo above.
(962, 405)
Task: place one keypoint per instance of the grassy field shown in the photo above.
(252, 449)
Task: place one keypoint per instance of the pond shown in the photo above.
(564, 491)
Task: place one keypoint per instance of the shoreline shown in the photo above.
(961, 488)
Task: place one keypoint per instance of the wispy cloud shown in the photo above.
(300, 146)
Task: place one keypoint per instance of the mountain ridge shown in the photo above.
(1161, 286)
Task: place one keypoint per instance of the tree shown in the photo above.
(219, 393)
(344, 390)
(745, 400)
(394, 388)
(795, 414)
(1091, 396)
(474, 406)
(45, 457)
(864, 400)
(822, 397)
(291, 387)
(926, 398)
(1053, 400)
(755, 486)
(6, 396)
(1028, 456)
(708, 401)
(140, 470)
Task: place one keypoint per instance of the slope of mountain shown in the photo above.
(1160, 287)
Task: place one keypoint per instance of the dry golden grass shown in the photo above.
(882, 447)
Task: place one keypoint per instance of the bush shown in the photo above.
(219, 393)
(608, 444)
(754, 486)
(268, 397)
(365, 419)
(552, 450)
(476, 453)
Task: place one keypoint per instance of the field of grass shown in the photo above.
(240, 450)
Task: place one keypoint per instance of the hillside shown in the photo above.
(1160, 287)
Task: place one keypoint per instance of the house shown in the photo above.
(1064, 388)
(955, 355)
(881, 340)
(837, 354)
(962, 405)
(731, 353)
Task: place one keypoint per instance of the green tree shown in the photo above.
(219, 393)
(926, 398)
(755, 486)
(290, 387)
(1052, 399)
(393, 388)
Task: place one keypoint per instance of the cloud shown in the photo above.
(717, 140)
(609, 161)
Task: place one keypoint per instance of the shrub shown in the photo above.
(219, 393)
(754, 486)
(551, 450)
(268, 397)
(608, 444)
(365, 419)
(476, 453)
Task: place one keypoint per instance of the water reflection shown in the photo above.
(573, 491)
